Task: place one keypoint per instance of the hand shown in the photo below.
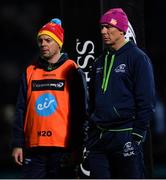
(17, 154)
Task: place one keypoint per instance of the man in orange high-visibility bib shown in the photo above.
(50, 109)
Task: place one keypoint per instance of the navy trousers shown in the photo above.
(46, 162)
(114, 155)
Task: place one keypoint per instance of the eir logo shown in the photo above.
(130, 34)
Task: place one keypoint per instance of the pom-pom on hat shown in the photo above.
(54, 30)
(115, 17)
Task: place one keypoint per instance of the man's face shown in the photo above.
(48, 47)
(111, 35)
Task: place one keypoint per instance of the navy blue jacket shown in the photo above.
(129, 99)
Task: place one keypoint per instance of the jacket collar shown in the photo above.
(51, 66)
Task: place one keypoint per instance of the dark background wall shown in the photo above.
(20, 21)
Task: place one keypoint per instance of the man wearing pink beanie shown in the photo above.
(122, 96)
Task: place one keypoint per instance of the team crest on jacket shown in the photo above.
(46, 104)
(120, 68)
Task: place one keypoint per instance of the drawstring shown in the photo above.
(106, 74)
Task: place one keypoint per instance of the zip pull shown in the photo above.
(49, 68)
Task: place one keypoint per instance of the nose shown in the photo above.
(43, 42)
(103, 30)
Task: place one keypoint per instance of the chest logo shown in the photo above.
(120, 68)
(46, 104)
(48, 84)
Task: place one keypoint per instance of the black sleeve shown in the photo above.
(18, 125)
(91, 89)
(79, 106)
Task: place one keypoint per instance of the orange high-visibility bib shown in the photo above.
(47, 119)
